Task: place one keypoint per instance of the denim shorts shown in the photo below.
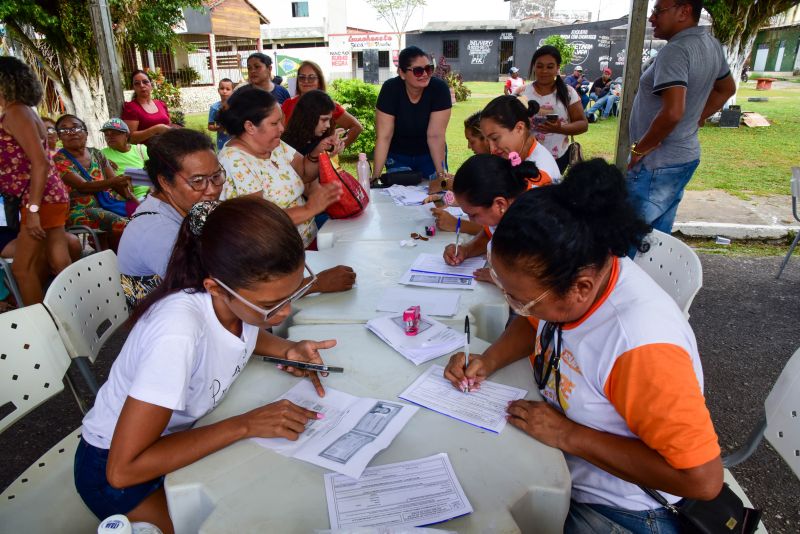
(93, 487)
(421, 163)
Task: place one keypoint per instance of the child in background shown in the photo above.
(225, 89)
(476, 142)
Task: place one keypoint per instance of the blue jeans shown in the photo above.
(590, 518)
(421, 163)
(101, 497)
(606, 102)
(656, 193)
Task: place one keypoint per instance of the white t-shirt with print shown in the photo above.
(556, 144)
(275, 178)
(177, 356)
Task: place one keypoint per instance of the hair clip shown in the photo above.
(199, 214)
(449, 198)
(514, 158)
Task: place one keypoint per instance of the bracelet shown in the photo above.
(637, 153)
(312, 159)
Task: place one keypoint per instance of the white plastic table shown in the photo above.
(514, 483)
(383, 220)
(378, 266)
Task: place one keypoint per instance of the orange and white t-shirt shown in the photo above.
(630, 367)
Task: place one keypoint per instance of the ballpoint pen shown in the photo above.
(466, 347)
(458, 233)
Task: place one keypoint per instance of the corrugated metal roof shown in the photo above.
(460, 26)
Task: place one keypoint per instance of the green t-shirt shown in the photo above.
(132, 159)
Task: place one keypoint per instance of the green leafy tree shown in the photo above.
(58, 36)
(359, 99)
(736, 23)
(396, 13)
(567, 50)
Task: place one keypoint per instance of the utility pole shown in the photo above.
(107, 51)
(637, 23)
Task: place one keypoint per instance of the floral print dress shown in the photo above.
(84, 208)
(274, 177)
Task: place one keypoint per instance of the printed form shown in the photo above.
(414, 493)
(484, 408)
(352, 432)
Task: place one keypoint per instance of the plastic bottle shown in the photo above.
(364, 172)
(119, 524)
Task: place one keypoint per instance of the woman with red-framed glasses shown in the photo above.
(411, 118)
(191, 338)
(614, 358)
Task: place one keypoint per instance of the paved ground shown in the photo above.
(747, 327)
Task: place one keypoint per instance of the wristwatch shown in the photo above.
(33, 208)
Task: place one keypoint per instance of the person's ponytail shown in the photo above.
(533, 108)
(484, 177)
(562, 93)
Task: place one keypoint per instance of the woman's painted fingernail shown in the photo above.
(471, 382)
(279, 366)
(320, 415)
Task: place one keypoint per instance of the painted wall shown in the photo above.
(478, 51)
(770, 39)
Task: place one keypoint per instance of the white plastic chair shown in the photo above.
(795, 184)
(674, 266)
(34, 362)
(87, 305)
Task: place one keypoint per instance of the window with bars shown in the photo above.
(299, 9)
(450, 48)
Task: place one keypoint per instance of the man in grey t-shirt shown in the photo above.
(679, 89)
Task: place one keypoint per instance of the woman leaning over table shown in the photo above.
(258, 163)
(26, 172)
(88, 173)
(191, 338)
(145, 116)
(411, 118)
(611, 352)
(555, 98)
(310, 78)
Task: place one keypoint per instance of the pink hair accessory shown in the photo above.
(449, 198)
(514, 158)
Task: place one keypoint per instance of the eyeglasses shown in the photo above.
(307, 77)
(50, 129)
(67, 131)
(418, 71)
(200, 183)
(658, 10)
(522, 309)
(541, 374)
(275, 309)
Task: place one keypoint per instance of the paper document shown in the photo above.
(433, 340)
(138, 176)
(408, 195)
(438, 281)
(435, 264)
(485, 408)
(455, 211)
(352, 432)
(397, 299)
(413, 493)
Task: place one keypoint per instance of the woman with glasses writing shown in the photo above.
(28, 181)
(411, 118)
(145, 116)
(224, 286)
(612, 354)
(310, 78)
(97, 195)
(184, 171)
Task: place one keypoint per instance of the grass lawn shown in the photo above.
(740, 161)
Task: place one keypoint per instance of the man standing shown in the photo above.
(679, 89)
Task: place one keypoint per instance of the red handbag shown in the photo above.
(354, 199)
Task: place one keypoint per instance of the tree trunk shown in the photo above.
(86, 99)
(736, 53)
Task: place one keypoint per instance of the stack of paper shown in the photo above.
(397, 299)
(484, 408)
(138, 176)
(430, 270)
(410, 494)
(408, 195)
(433, 340)
(352, 432)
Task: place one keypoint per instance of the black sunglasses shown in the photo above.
(417, 71)
(540, 374)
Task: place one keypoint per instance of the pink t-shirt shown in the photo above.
(133, 111)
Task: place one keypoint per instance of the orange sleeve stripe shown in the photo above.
(535, 324)
(654, 388)
(487, 231)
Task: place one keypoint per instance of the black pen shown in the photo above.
(304, 365)
(466, 346)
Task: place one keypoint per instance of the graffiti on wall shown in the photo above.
(478, 49)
